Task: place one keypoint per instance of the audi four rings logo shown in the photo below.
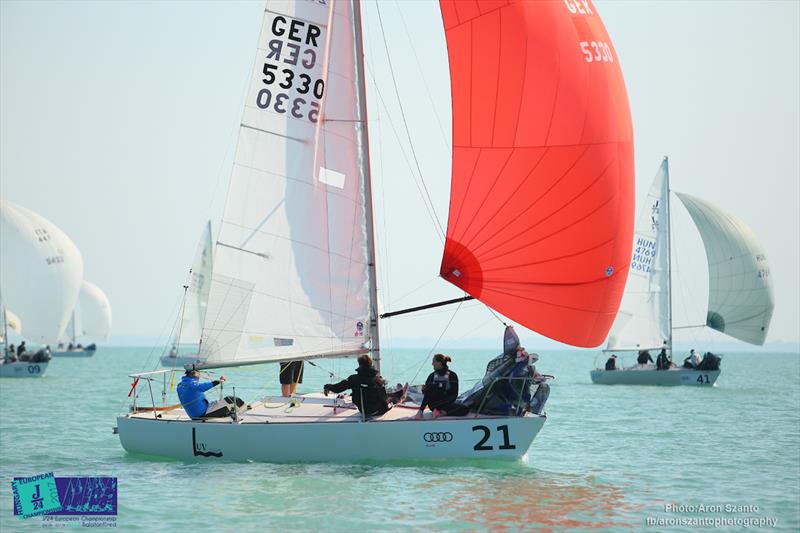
(442, 436)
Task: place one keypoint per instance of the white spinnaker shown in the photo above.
(290, 276)
(194, 308)
(95, 312)
(740, 293)
(643, 321)
(40, 272)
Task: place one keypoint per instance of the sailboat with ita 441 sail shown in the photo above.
(740, 297)
(40, 276)
(539, 227)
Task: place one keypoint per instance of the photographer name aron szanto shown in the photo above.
(709, 508)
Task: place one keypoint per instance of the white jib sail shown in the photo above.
(194, 308)
(643, 321)
(740, 297)
(40, 272)
(290, 275)
(95, 311)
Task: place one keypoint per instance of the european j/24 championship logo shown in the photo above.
(46, 494)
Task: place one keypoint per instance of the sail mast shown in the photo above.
(669, 252)
(5, 329)
(361, 94)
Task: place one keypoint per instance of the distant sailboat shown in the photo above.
(740, 299)
(40, 273)
(195, 303)
(90, 318)
(540, 223)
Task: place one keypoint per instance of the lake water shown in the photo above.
(608, 458)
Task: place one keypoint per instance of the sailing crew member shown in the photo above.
(20, 350)
(662, 362)
(441, 388)
(644, 357)
(367, 388)
(693, 361)
(194, 402)
(291, 373)
(611, 364)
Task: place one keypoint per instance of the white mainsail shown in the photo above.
(643, 321)
(741, 297)
(196, 303)
(291, 275)
(95, 312)
(40, 272)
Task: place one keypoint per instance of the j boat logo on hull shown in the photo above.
(200, 449)
(438, 436)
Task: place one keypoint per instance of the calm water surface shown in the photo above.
(607, 459)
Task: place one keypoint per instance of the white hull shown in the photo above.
(170, 361)
(650, 376)
(22, 369)
(73, 353)
(313, 432)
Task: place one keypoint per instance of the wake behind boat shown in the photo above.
(740, 298)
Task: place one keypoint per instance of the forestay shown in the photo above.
(643, 321)
(740, 297)
(541, 206)
(290, 277)
(40, 272)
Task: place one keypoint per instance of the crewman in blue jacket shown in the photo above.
(194, 402)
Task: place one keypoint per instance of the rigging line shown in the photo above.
(496, 316)
(417, 180)
(405, 122)
(406, 295)
(448, 146)
(419, 367)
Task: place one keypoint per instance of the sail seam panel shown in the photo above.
(553, 259)
(486, 196)
(556, 182)
(553, 213)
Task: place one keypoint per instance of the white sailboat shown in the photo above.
(90, 318)
(740, 299)
(40, 275)
(540, 224)
(9, 367)
(195, 303)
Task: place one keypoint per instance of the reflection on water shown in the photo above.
(533, 499)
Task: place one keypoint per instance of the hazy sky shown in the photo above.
(118, 122)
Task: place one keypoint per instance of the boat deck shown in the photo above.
(299, 409)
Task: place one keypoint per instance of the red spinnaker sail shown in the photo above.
(542, 195)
